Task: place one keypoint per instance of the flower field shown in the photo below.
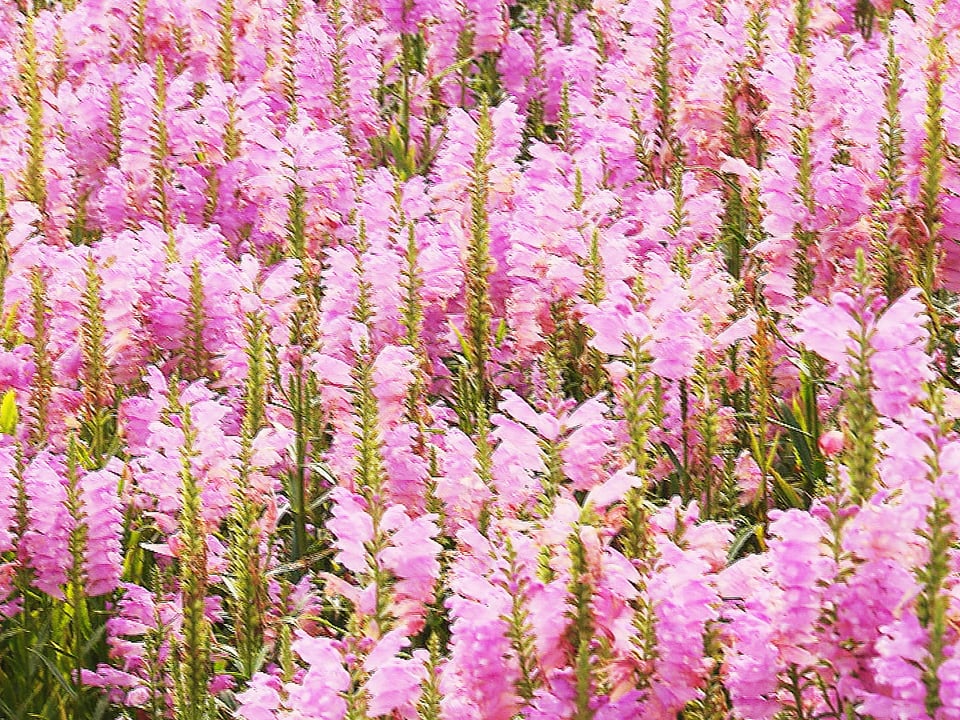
(480, 359)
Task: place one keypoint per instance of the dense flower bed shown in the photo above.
(479, 360)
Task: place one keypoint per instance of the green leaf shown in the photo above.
(681, 470)
(464, 344)
(55, 673)
(812, 468)
(745, 535)
(787, 492)
(501, 332)
(9, 415)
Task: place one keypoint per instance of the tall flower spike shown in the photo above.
(115, 122)
(431, 696)
(225, 52)
(670, 148)
(191, 657)
(483, 461)
(291, 26)
(551, 448)
(34, 178)
(5, 226)
(861, 413)
(97, 383)
(297, 222)
(255, 386)
(59, 50)
(248, 589)
(708, 480)
(340, 92)
(581, 627)
(520, 629)
(43, 375)
(76, 575)
(181, 41)
(103, 558)
(594, 379)
(478, 262)
(301, 391)
(196, 361)
(933, 159)
(802, 134)
(370, 477)
(96, 379)
(160, 151)
(759, 370)
(139, 23)
(412, 319)
(247, 599)
(933, 602)
(639, 402)
(565, 119)
(888, 272)
(93, 547)
(536, 104)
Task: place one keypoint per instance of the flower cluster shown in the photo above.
(480, 360)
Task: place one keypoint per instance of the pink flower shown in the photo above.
(685, 600)
(413, 559)
(318, 694)
(828, 330)
(614, 488)
(949, 676)
(392, 375)
(104, 522)
(900, 364)
(749, 477)
(901, 650)
(413, 552)
(352, 527)
(831, 443)
(45, 544)
(395, 686)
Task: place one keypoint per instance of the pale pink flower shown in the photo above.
(352, 527)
